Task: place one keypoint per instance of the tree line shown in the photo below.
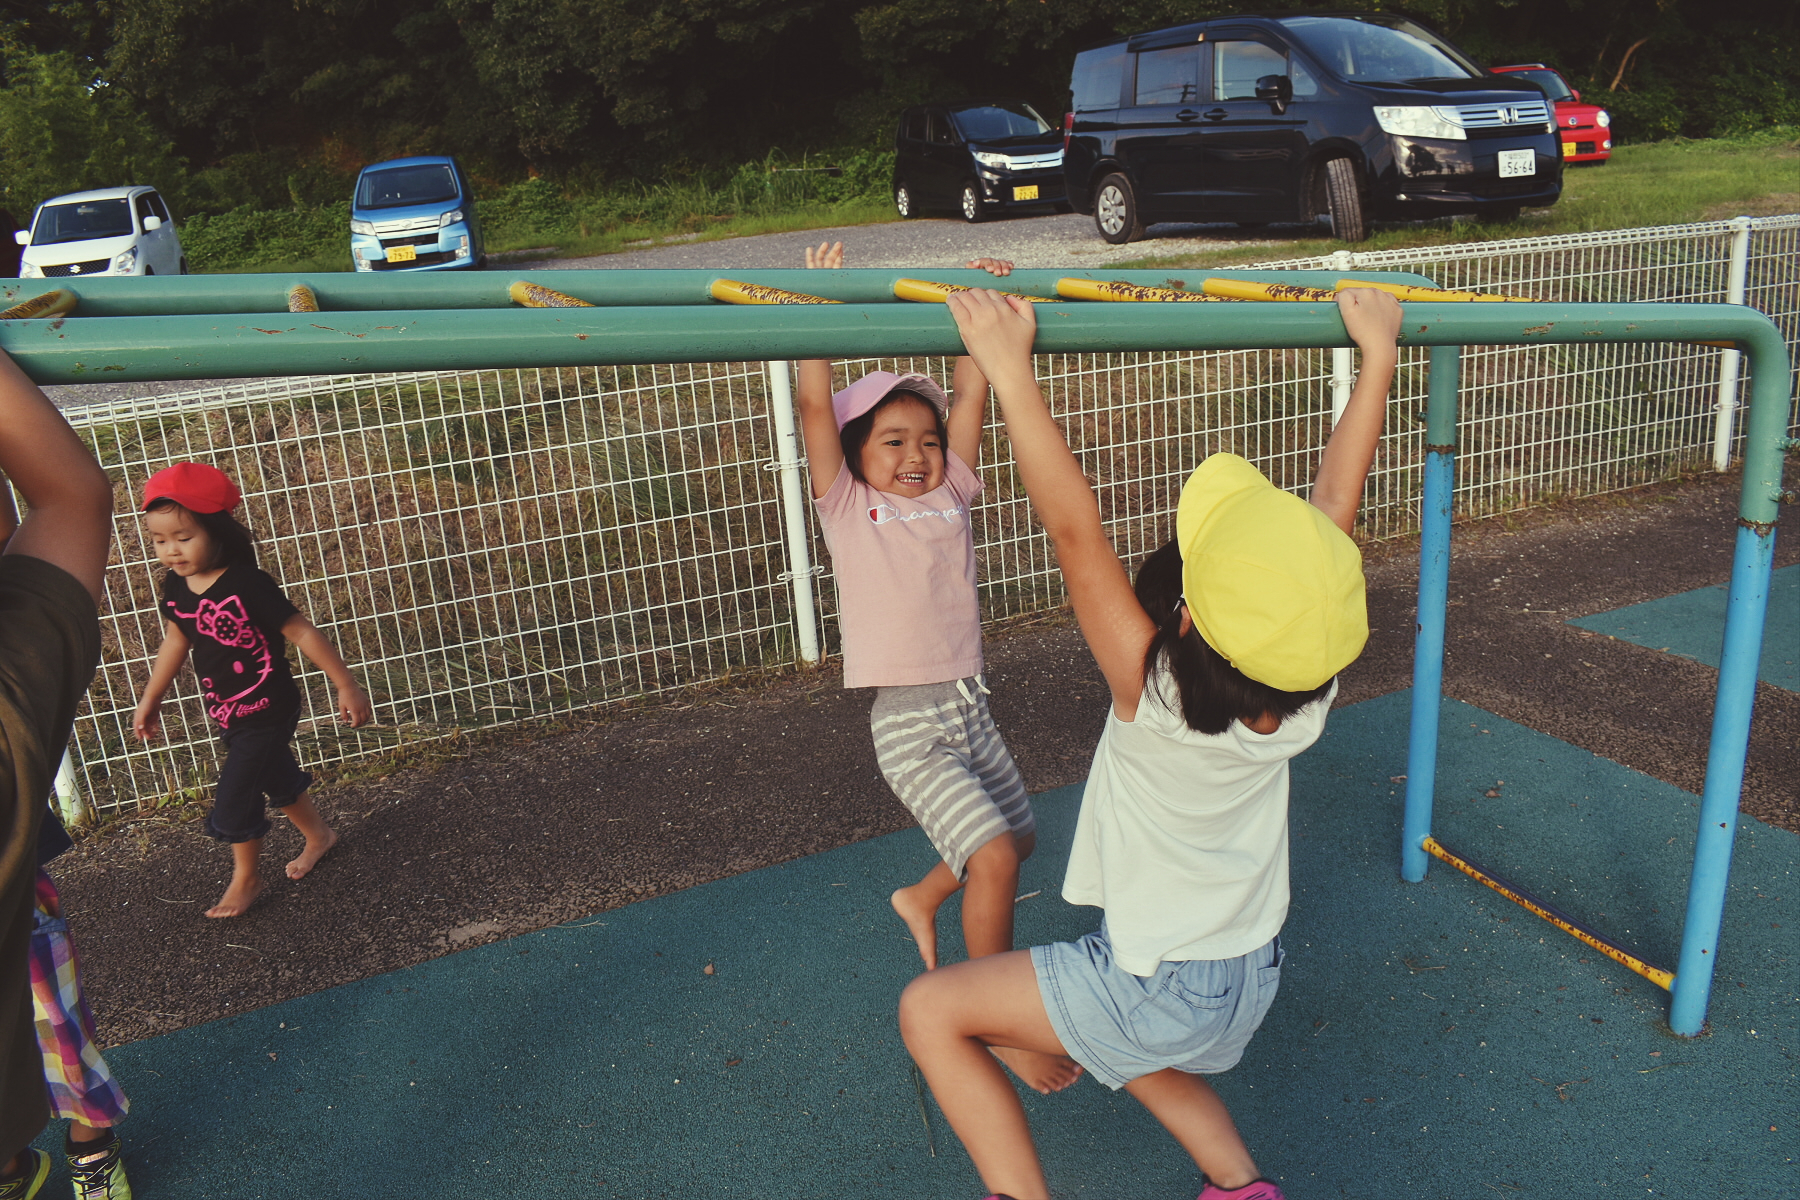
(275, 102)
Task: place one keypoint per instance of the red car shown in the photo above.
(1585, 129)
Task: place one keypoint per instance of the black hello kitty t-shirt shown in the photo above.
(240, 656)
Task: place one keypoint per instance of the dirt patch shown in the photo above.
(515, 831)
(1780, 204)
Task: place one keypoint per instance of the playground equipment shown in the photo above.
(226, 326)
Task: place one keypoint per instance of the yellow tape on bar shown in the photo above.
(1117, 289)
(50, 304)
(536, 295)
(302, 299)
(733, 291)
(1625, 958)
(927, 292)
(1407, 291)
(1239, 289)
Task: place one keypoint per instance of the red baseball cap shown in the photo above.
(195, 486)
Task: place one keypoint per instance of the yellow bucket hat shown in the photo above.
(1271, 583)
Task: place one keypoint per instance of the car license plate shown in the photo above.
(408, 254)
(1514, 163)
(1025, 193)
(1568, 149)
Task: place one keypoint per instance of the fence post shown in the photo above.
(1735, 281)
(793, 510)
(1342, 371)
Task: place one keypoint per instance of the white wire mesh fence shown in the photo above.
(491, 546)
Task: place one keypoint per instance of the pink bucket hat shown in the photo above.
(876, 386)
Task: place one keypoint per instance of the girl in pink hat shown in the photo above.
(892, 463)
(1222, 660)
(236, 622)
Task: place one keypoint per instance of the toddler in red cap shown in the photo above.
(892, 464)
(1222, 660)
(234, 618)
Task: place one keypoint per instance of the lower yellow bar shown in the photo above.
(302, 299)
(1096, 289)
(731, 291)
(1625, 958)
(49, 304)
(1240, 289)
(536, 295)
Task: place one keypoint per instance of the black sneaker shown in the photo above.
(37, 1169)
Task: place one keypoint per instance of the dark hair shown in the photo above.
(231, 542)
(1213, 692)
(855, 433)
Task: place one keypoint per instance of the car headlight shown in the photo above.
(1603, 119)
(451, 217)
(367, 227)
(988, 158)
(123, 264)
(27, 271)
(1417, 120)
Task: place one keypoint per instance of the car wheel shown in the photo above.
(904, 203)
(184, 266)
(969, 204)
(149, 270)
(1343, 200)
(1115, 211)
(1504, 214)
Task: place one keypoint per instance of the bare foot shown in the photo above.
(1043, 1073)
(316, 848)
(921, 922)
(237, 898)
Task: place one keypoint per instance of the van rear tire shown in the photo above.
(1343, 201)
(1116, 211)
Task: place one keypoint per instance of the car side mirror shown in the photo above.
(1278, 90)
(23, 237)
(151, 224)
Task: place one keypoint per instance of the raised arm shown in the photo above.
(998, 332)
(1372, 318)
(812, 396)
(969, 387)
(68, 498)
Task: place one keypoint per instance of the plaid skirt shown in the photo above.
(81, 1087)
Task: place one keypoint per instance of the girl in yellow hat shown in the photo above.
(1222, 661)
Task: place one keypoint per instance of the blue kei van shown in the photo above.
(415, 214)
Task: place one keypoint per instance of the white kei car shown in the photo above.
(109, 231)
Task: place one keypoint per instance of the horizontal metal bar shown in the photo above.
(1569, 925)
(347, 291)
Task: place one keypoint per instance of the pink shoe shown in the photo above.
(1260, 1189)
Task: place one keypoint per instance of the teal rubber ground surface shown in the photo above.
(1430, 1040)
(1692, 625)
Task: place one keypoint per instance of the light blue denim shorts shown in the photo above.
(1194, 1016)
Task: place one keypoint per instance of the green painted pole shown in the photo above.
(131, 349)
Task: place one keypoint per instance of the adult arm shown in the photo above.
(68, 499)
(1372, 318)
(998, 333)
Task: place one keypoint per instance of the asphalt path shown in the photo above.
(1066, 241)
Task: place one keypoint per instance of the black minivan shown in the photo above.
(1253, 119)
(977, 157)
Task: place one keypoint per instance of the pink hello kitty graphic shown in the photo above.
(227, 623)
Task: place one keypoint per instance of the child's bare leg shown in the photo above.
(246, 885)
(949, 1018)
(320, 837)
(79, 1133)
(918, 906)
(1189, 1109)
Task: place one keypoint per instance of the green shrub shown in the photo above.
(268, 238)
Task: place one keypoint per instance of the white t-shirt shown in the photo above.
(1183, 836)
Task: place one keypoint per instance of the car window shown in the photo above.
(992, 122)
(1098, 74)
(1550, 81)
(1168, 76)
(1240, 65)
(141, 206)
(912, 127)
(426, 183)
(156, 205)
(941, 133)
(1372, 53)
(79, 222)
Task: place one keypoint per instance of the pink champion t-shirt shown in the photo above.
(906, 579)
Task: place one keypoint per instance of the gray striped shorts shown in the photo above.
(941, 754)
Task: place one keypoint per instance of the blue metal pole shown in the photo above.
(1434, 603)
